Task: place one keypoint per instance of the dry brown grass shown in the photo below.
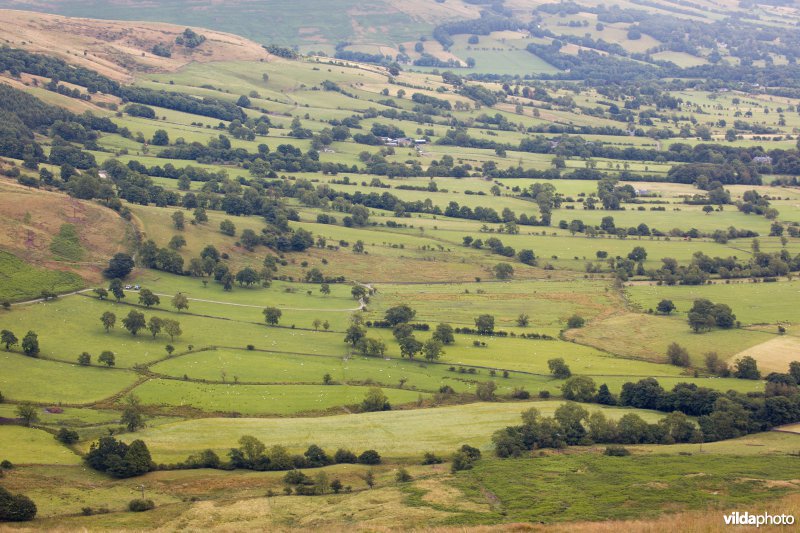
(30, 218)
(775, 354)
(118, 49)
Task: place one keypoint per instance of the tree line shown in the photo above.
(719, 415)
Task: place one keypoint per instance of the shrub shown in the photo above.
(89, 511)
(678, 355)
(343, 456)
(16, 507)
(520, 393)
(616, 451)
(369, 457)
(119, 459)
(559, 368)
(139, 505)
(403, 476)
(575, 321)
(464, 458)
(485, 391)
(431, 458)
(67, 436)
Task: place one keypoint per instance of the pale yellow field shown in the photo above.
(773, 355)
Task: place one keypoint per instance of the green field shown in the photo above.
(77, 385)
(259, 399)
(24, 446)
(753, 303)
(396, 434)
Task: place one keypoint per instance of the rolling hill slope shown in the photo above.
(116, 49)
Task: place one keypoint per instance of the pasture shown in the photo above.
(401, 434)
(259, 399)
(27, 446)
(753, 303)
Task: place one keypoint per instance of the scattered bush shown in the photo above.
(67, 436)
(139, 505)
(617, 451)
(431, 459)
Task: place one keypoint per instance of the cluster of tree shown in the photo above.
(753, 202)
(252, 454)
(573, 425)
(496, 246)
(724, 415)
(280, 51)
(484, 329)
(484, 25)
(118, 459)
(702, 267)
(363, 57)
(190, 39)
(30, 342)
(428, 60)
(162, 50)
(18, 61)
(210, 263)
(165, 259)
(721, 415)
(24, 114)
(399, 317)
(464, 458)
(207, 106)
(188, 172)
(591, 66)
(135, 321)
(706, 315)
(106, 357)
